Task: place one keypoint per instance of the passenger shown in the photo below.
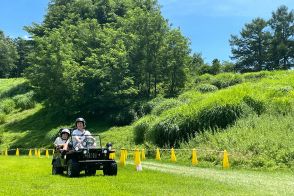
(62, 141)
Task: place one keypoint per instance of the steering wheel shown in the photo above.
(88, 142)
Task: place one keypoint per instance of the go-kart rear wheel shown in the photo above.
(73, 169)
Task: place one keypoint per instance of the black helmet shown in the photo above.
(80, 120)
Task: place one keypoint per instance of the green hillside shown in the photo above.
(250, 115)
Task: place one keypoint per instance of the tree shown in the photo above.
(96, 57)
(8, 56)
(215, 67)
(282, 47)
(251, 49)
(24, 48)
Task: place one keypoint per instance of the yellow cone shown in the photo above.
(194, 157)
(6, 152)
(36, 152)
(30, 153)
(138, 160)
(143, 154)
(226, 163)
(173, 155)
(47, 153)
(122, 159)
(17, 152)
(157, 154)
(39, 153)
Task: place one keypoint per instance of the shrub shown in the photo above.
(205, 78)
(257, 105)
(25, 101)
(152, 103)
(141, 127)
(165, 105)
(7, 106)
(2, 118)
(255, 75)
(226, 79)
(205, 88)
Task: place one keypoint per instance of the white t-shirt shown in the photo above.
(80, 134)
(59, 141)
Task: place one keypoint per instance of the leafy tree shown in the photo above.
(8, 56)
(216, 66)
(282, 47)
(250, 50)
(92, 56)
(24, 48)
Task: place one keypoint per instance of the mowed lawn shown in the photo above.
(32, 176)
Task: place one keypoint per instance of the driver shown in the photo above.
(62, 141)
(80, 133)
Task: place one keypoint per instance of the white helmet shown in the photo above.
(65, 131)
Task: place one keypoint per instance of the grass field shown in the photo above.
(32, 176)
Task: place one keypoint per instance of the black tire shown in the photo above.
(73, 169)
(110, 169)
(90, 171)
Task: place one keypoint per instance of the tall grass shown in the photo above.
(254, 141)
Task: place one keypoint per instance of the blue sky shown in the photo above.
(207, 23)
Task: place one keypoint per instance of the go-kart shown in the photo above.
(85, 154)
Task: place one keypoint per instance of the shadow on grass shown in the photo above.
(16, 90)
(36, 127)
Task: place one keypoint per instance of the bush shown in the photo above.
(165, 105)
(226, 79)
(257, 105)
(141, 127)
(2, 118)
(7, 106)
(152, 103)
(205, 78)
(25, 101)
(255, 75)
(205, 88)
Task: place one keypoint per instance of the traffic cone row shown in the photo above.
(138, 156)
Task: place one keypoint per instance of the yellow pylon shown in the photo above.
(122, 159)
(36, 152)
(173, 155)
(143, 154)
(194, 157)
(17, 152)
(6, 152)
(226, 163)
(137, 160)
(39, 153)
(30, 153)
(157, 155)
(47, 153)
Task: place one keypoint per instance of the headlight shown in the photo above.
(104, 151)
(85, 151)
